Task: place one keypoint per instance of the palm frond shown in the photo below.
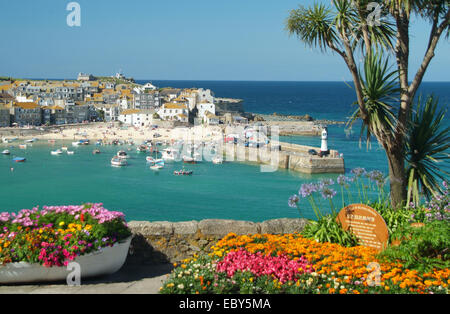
(427, 147)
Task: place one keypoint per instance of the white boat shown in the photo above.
(142, 148)
(188, 160)
(122, 154)
(76, 143)
(170, 154)
(105, 261)
(70, 152)
(64, 148)
(118, 162)
(156, 167)
(6, 152)
(56, 152)
(217, 160)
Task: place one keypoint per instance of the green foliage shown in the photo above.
(380, 90)
(424, 248)
(327, 229)
(427, 146)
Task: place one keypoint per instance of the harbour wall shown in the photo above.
(164, 241)
(290, 156)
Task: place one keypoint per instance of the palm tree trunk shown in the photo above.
(397, 177)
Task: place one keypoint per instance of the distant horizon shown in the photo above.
(207, 80)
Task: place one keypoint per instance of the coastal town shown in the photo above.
(110, 99)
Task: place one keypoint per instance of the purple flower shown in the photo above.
(358, 172)
(307, 189)
(293, 200)
(328, 193)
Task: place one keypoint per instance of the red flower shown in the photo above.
(82, 217)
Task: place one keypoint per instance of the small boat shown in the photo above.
(23, 146)
(122, 154)
(116, 161)
(156, 167)
(29, 141)
(84, 142)
(170, 154)
(149, 159)
(56, 152)
(183, 172)
(70, 152)
(188, 160)
(142, 148)
(6, 152)
(217, 160)
(75, 143)
(99, 143)
(96, 151)
(19, 159)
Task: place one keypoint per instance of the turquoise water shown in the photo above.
(228, 191)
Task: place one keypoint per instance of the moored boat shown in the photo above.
(142, 148)
(217, 160)
(56, 152)
(19, 159)
(122, 154)
(70, 152)
(188, 160)
(183, 172)
(118, 162)
(6, 152)
(96, 151)
(23, 146)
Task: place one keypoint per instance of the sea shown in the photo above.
(234, 190)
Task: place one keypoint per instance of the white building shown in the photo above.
(204, 107)
(205, 96)
(174, 112)
(137, 117)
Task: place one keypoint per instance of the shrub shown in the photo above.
(423, 248)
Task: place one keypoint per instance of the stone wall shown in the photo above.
(162, 242)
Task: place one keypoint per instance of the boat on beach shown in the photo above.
(118, 162)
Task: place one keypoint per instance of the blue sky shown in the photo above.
(173, 40)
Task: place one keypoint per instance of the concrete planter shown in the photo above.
(102, 262)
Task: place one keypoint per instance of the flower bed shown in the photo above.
(291, 263)
(56, 235)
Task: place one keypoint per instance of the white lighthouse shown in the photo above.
(324, 145)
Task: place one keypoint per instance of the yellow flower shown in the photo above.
(61, 223)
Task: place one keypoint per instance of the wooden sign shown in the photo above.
(366, 223)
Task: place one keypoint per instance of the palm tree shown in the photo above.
(427, 144)
(380, 93)
(346, 28)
